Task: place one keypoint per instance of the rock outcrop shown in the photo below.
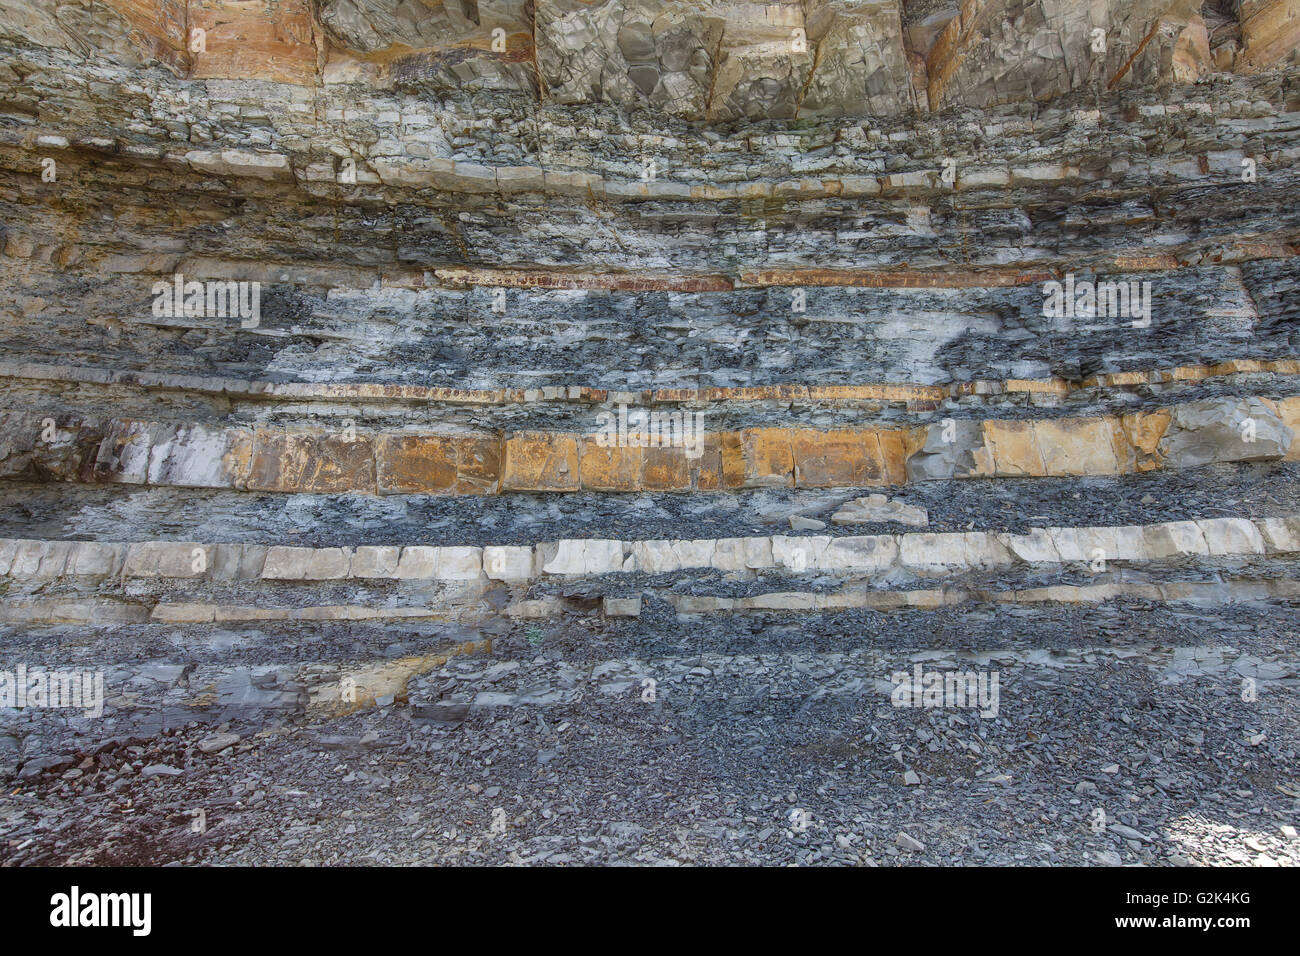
(345, 343)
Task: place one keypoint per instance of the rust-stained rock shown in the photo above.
(897, 446)
(995, 277)
(156, 28)
(1270, 33)
(670, 469)
(312, 461)
(437, 464)
(1288, 410)
(414, 464)
(758, 458)
(1191, 54)
(254, 39)
(706, 471)
(844, 457)
(358, 688)
(1076, 446)
(1142, 432)
(541, 461)
(611, 468)
(1001, 51)
(297, 460)
(1013, 448)
(541, 279)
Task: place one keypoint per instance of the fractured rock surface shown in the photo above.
(490, 431)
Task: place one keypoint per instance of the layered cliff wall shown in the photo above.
(383, 361)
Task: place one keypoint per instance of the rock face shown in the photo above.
(707, 365)
(716, 61)
(727, 61)
(1000, 51)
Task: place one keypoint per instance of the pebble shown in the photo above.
(218, 742)
(160, 770)
(909, 842)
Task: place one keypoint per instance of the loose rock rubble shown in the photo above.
(766, 755)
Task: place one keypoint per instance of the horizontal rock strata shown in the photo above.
(651, 456)
(330, 329)
(31, 560)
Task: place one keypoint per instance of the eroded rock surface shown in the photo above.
(490, 431)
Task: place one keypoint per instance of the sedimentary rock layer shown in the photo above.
(41, 561)
(661, 451)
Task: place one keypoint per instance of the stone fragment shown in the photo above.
(878, 508)
(1281, 535)
(191, 613)
(1130, 543)
(328, 563)
(535, 609)
(655, 557)
(694, 553)
(800, 523)
(93, 559)
(1077, 446)
(1012, 448)
(198, 456)
(1035, 547)
(1171, 539)
(27, 558)
(125, 452)
(758, 553)
(622, 607)
(909, 842)
(984, 550)
(216, 743)
(1143, 432)
(778, 601)
(160, 770)
(728, 554)
(948, 451)
(1070, 545)
(799, 554)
